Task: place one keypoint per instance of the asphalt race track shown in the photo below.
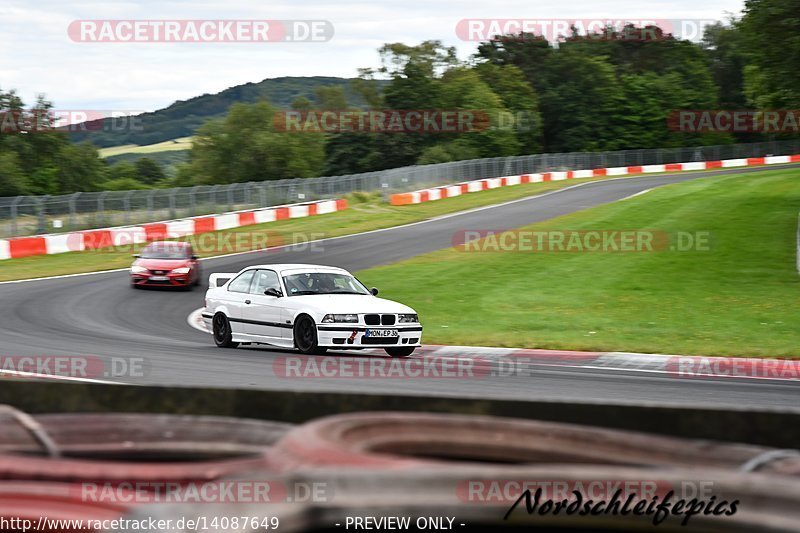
(100, 315)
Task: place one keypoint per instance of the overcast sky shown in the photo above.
(38, 56)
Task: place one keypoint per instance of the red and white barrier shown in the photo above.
(156, 231)
(448, 191)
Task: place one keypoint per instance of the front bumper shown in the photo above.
(343, 336)
(173, 280)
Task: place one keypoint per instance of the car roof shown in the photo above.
(173, 244)
(282, 267)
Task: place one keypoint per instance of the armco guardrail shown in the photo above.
(437, 193)
(29, 215)
(127, 235)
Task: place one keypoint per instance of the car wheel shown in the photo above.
(222, 331)
(305, 337)
(404, 351)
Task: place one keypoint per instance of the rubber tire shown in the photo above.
(222, 338)
(400, 351)
(309, 344)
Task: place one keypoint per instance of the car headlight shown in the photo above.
(136, 269)
(330, 319)
(181, 270)
(405, 319)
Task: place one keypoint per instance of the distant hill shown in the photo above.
(182, 118)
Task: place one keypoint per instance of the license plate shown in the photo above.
(159, 278)
(381, 333)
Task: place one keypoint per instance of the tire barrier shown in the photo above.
(481, 496)
(131, 447)
(388, 464)
(401, 440)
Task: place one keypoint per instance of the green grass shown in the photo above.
(367, 212)
(182, 143)
(740, 298)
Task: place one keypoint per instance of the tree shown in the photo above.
(148, 171)
(12, 180)
(528, 52)
(724, 48)
(79, 168)
(124, 184)
(244, 146)
(520, 100)
(771, 31)
(582, 104)
(42, 154)
(330, 97)
(463, 89)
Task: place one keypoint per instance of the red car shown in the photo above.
(165, 264)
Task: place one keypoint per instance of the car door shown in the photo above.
(234, 296)
(262, 312)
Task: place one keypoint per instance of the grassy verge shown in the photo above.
(182, 143)
(367, 213)
(741, 297)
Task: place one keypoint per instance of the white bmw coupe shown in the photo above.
(308, 307)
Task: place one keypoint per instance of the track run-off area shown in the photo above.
(145, 338)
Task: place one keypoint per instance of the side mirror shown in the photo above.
(137, 256)
(374, 291)
(273, 292)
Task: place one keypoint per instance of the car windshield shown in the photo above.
(164, 252)
(323, 283)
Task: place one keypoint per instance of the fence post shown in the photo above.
(172, 193)
(73, 209)
(101, 206)
(126, 205)
(150, 206)
(193, 201)
(41, 211)
(14, 210)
